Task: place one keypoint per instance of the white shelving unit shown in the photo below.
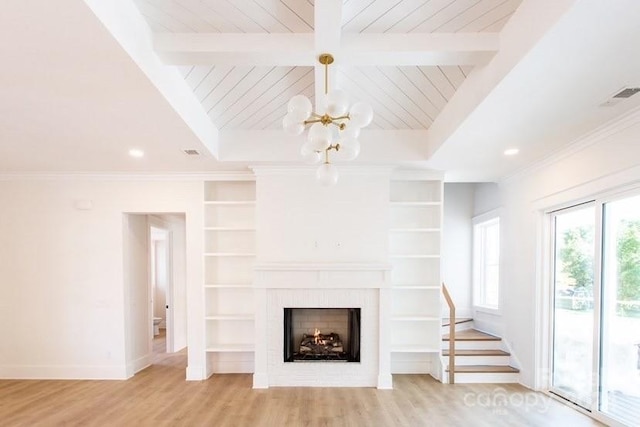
(229, 245)
(415, 247)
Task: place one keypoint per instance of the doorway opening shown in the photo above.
(155, 287)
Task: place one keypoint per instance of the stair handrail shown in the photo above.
(452, 333)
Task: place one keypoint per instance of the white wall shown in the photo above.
(301, 221)
(602, 161)
(62, 308)
(486, 198)
(179, 279)
(159, 256)
(457, 245)
(136, 293)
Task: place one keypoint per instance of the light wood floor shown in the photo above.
(160, 396)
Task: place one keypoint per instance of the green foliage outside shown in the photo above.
(576, 257)
(628, 253)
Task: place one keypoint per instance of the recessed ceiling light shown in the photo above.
(511, 152)
(134, 152)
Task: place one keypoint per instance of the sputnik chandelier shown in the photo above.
(335, 127)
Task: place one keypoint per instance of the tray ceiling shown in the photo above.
(241, 93)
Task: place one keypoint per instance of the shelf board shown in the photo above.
(229, 202)
(230, 254)
(230, 229)
(416, 203)
(230, 348)
(414, 256)
(416, 287)
(416, 318)
(414, 349)
(231, 317)
(228, 286)
(415, 230)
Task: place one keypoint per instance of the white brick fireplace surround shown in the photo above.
(365, 286)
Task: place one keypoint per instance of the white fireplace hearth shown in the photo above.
(278, 286)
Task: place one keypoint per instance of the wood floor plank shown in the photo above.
(160, 396)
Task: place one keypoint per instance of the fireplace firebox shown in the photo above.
(321, 335)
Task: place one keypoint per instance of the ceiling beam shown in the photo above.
(418, 49)
(303, 49)
(235, 49)
(327, 17)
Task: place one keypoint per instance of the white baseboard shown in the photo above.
(260, 380)
(63, 372)
(385, 382)
(195, 373)
(138, 365)
(230, 363)
(233, 367)
(411, 363)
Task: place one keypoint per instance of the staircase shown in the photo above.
(479, 357)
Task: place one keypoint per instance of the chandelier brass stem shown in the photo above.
(326, 59)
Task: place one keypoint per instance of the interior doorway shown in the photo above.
(155, 285)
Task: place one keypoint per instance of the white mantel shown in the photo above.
(326, 285)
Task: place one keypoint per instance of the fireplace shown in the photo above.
(364, 287)
(321, 335)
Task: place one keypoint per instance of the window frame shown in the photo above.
(478, 266)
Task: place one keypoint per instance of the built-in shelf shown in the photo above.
(415, 256)
(230, 229)
(416, 230)
(416, 287)
(416, 318)
(231, 317)
(415, 238)
(416, 203)
(229, 254)
(414, 349)
(229, 202)
(228, 285)
(230, 348)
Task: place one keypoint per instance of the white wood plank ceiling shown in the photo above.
(406, 88)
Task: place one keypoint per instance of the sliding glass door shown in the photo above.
(620, 325)
(595, 348)
(573, 308)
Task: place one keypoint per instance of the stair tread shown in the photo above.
(484, 368)
(458, 320)
(477, 353)
(472, 335)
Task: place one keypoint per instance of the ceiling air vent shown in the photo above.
(620, 96)
(627, 92)
(191, 152)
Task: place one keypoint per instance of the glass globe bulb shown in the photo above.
(360, 115)
(292, 126)
(300, 107)
(349, 149)
(319, 137)
(337, 103)
(350, 131)
(327, 174)
(309, 155)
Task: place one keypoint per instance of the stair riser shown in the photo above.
(486, 377)
(479, 360)
(459, 327)
(474, 345)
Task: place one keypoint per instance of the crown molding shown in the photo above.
(593, 137)
(241, 175)
(344, 170)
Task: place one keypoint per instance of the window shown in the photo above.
(486, 262)
(595, 334)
